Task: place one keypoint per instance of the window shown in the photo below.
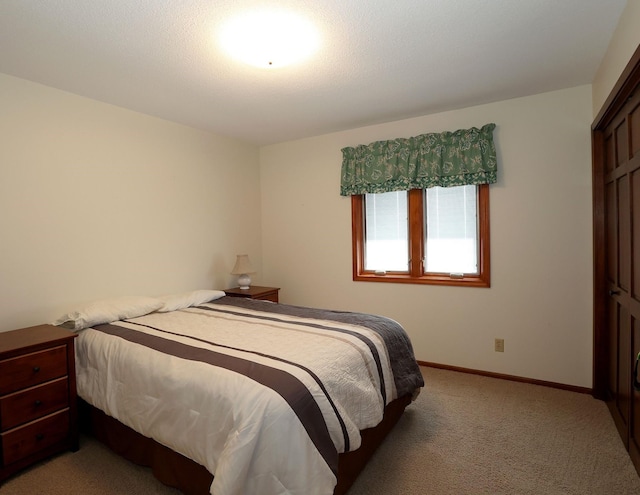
(420, 207)
(423, 236)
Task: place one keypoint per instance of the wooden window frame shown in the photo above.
(416, 246)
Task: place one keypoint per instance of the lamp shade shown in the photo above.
(242, 266)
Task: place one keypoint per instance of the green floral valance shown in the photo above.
(463, 157)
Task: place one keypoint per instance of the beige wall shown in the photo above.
(540, 301)
(98, 201)
(624, 43)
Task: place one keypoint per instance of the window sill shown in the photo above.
(435, 279)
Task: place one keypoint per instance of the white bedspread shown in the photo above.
(245, 433)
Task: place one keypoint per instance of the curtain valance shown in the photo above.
(463, 157)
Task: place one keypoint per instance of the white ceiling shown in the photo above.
(380, 60)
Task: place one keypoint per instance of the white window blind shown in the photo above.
(386, 232)
(451, 230)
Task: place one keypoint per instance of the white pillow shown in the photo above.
(173, 302)
(106, 311)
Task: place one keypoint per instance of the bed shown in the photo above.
(231, 396)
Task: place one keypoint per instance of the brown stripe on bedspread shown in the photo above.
(286, 385)
(308, 323)
(406, 372)
(316, 378)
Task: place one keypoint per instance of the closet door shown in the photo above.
(633, 167)
(621, 174)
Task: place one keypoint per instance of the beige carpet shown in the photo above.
(465, 434)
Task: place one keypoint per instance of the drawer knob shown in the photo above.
(36, 369)
(37, 403)
(39, 436)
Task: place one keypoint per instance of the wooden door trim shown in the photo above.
(623, 89)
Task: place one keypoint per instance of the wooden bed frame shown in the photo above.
(191, 478)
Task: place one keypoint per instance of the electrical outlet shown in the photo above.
(499, 345)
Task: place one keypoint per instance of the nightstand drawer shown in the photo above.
(32, 369)
(273, 297)
(255, 292)
(32, 403)
(35, 436)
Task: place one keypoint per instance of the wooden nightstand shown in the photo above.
(38, 415)
(255, 292)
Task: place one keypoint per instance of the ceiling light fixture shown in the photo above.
(269, 39)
